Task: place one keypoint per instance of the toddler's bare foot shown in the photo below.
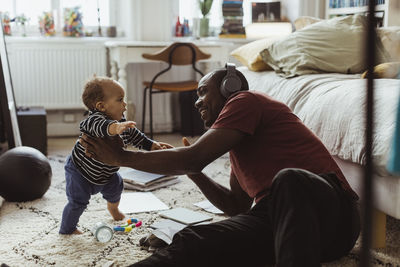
(117, 214)
(77, 232)
(114, 211)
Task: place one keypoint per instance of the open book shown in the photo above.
(145, 181)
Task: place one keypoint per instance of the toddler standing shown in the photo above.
(85, 176)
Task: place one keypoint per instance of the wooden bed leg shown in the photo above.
(379, 229)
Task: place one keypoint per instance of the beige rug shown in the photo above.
(29, 231)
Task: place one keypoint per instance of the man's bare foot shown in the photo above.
(114, 211)
(77, 232)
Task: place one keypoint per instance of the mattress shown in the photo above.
(333, 106)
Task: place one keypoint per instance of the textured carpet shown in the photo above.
(29, 231)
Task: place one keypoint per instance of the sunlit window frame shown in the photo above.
(32, 28)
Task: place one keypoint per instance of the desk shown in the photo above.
(123, 52)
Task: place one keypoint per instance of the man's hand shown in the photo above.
(107, 150)
(120, 127)
(160, 145)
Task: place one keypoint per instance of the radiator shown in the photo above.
(51, 73)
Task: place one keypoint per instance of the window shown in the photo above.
(31, 9)
(34, 9)
(189, 9)
(89, 10)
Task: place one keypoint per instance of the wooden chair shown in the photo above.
(176, 54)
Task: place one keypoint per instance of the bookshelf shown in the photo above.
(387, 11)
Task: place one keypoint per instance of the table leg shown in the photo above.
(114, 69)
(122, 77)
(130, 108)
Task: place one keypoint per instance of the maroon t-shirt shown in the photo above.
(275, 139)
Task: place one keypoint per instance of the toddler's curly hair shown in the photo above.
(93, 91)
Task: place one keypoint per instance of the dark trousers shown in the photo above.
(79, 190)
(306, 219)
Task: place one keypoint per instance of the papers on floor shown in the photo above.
(165, 229)
(208, 206)
(135, 202)
(167, 223)
(185, 216)
(165, 234)
(145, 181)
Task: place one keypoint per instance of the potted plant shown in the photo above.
(205, 7)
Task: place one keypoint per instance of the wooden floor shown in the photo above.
(62, 146)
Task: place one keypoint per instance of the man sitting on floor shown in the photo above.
(305, 211)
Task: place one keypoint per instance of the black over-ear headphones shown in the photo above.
(231, 83)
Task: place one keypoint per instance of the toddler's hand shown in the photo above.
(120, 127)
(160, 145)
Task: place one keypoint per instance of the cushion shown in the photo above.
(390, 38)
(330, 46)
(249, 54)
(304, 21)
(388, 70)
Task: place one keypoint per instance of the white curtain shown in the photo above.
(293, 9)
(313, 8)
(149, 20)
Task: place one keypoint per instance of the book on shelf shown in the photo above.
(232, 12)
(352, 3)
(145, 181)
(232, 35)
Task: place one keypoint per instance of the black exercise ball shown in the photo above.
(25, 174)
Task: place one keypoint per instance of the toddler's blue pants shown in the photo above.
(79, 191)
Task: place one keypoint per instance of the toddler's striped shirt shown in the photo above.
(96, 124)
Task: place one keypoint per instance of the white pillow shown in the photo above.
(304, 21)
(249, 54)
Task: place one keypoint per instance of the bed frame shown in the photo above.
(385, 191)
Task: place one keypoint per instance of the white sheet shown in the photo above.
(135, 202)
(333, 106)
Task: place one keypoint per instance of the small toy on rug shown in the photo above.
(102, 232)
(130, 224)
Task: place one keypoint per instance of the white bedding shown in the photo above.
(333, 107)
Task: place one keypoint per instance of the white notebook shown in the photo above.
(185, 216)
